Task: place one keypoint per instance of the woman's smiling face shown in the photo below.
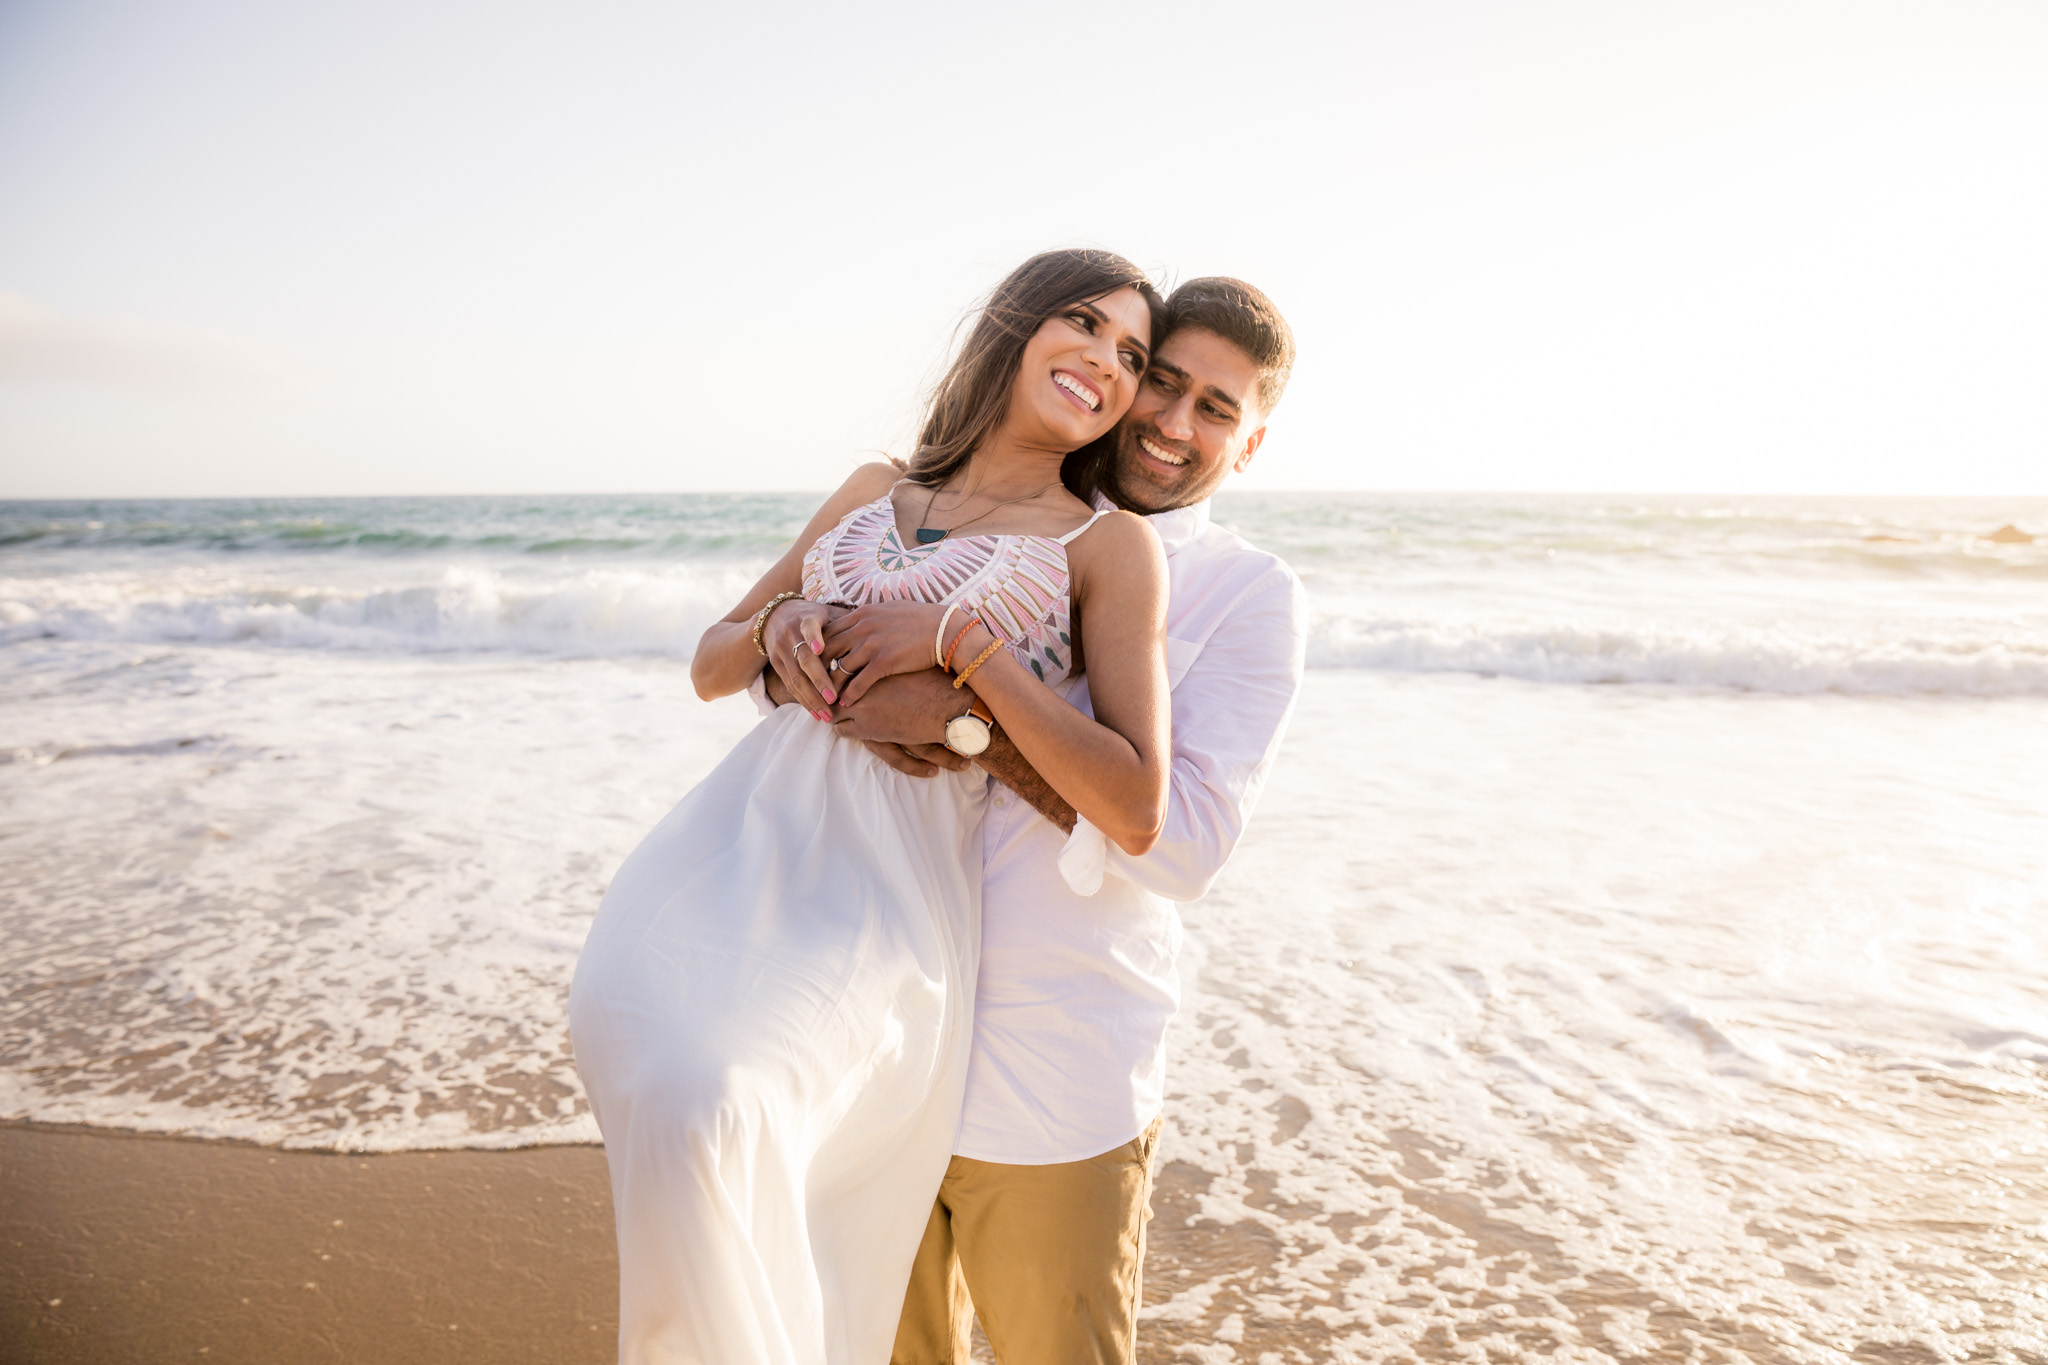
(1081, 369)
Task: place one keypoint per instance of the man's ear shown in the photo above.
(1251, 448)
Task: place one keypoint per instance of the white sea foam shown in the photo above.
(1526, 1013)
(620, 611)
(1791, 598)
(345, 917)
(1584, 1024)
(590, 611)
(1997, 660)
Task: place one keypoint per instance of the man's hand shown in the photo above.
(918, 760)
(893, 710)
(904, 708)
(902, 718)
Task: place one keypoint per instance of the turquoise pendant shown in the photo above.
(929, 535)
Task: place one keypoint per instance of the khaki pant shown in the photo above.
(1049, 1257)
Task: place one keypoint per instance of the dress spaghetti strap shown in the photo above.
(1070, 536)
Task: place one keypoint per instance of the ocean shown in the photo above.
(1641, 951)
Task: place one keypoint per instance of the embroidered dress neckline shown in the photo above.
(1016, 582)
(895, 533)
(922, 551)
(895, 556)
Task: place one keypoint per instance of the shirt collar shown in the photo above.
(1175, 528)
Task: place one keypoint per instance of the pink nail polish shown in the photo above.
(824, 715)
(818, 648)
(832, 697)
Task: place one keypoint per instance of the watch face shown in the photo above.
(966, 735)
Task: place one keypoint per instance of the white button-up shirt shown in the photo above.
(1076, 989)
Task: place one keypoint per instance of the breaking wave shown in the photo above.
(1781, 660)
(623, 611)
(596, 612)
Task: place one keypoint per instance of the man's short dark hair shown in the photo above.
(1245, 318)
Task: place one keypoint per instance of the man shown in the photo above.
(1039, 1226)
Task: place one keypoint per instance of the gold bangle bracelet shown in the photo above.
(979, 660)
(761, 618)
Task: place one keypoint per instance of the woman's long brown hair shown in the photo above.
(973, 397)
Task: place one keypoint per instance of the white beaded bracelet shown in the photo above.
(939, 643)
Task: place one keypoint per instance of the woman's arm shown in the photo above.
(726, 660)
(1113, 769)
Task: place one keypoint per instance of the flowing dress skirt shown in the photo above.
(772, 1017)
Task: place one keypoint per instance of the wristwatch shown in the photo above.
(967, 735)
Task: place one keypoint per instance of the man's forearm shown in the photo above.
(1002, 762)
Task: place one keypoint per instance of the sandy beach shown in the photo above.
(121, 1248)
(134, 1248)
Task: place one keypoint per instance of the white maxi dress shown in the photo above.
(773, 1010)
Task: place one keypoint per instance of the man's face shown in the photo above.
(1196, 418)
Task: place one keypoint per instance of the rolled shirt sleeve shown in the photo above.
(758, 690)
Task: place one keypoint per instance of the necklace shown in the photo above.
(932, 535)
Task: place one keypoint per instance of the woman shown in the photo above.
(773, 1010)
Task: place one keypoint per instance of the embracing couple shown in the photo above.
(873, 1021)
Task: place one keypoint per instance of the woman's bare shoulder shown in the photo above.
(865, 484)
(1119, 545)
(1118, 533)
(872, 479)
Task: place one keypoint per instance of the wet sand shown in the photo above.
(117, 1247)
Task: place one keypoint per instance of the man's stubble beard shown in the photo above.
(1125, 473)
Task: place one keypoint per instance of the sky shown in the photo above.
(364, 248)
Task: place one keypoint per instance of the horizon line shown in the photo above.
(2041, 496)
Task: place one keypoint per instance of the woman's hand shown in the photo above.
(727, 660)
(882, 638)
(795, 640)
